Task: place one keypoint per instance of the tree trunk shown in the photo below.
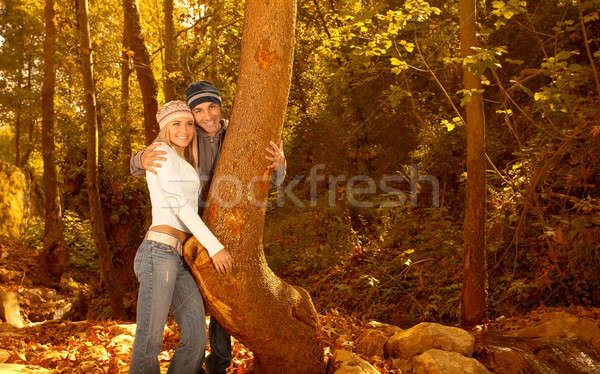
(125, 120)
(277, 321)
(474, 290)
(54, 257)
(17, 140)
(143, 68)
(104, 254)
(170, 51)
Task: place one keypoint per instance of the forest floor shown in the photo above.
(53, 343)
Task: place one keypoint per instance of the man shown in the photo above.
(205, 102)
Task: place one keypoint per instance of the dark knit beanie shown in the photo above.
(201, 92)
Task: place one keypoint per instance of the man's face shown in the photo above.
(208, 117)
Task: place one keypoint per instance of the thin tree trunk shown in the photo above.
(54, 257)
(277, 321)
(587, 46)
(143, 69)
(104, 254)
(125, 120)
(30, 141)
(170, 51)
(17, 139)
(474, 290)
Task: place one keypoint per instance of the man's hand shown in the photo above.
(277, 157)
(150, 157)
(222, 261)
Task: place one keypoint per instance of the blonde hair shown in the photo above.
(190, 153)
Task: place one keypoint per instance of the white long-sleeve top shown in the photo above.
(174, 192)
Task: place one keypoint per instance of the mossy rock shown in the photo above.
(14, 197)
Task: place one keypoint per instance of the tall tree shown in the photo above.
(143, 68)
(54, 256)
(277, 321)
(170, 51)
(104, 254)
(124, 107)
(474, 289)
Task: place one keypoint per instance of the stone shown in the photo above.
(426, 336)
(14, 203)
(370, 343)
(4, 355)
(562, 325)
(436, 361)
(506, 360)
(346, 362)
(400, 364)
(385, 328)
(11, 310)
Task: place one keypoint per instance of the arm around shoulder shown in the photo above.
(135, 165)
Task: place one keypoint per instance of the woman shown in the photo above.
(165, 280)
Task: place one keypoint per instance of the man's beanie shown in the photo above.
(172, 110)
(200, 92)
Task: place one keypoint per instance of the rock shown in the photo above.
(436, 361)
(562, 325)
(18, 369)
(506, 360)
(400, 364)
(370, 343)
(388, 330)
(425, 336)
(10, 309)
(14, 203)
(4, 356)
(346, 362)
(128, 329)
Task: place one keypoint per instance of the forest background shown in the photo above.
(376, 91)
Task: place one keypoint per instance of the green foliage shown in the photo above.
(78, 239)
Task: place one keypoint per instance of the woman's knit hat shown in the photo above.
(171, 110)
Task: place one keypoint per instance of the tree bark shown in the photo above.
(170, 51)
(54, 257)
(474, 290)
(143, 68)
(277, 321)
(124, 107)
(104, 254)
(17, 140)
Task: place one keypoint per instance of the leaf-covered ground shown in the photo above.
(51, 344)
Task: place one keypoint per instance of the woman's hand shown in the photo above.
(222, 261)
(150, 158)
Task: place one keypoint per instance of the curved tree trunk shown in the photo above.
(474, 290)
(277, 321)
(170, 52)
(143, 68)
(107, 272)
(54, 257)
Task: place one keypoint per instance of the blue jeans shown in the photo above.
(219, 358)
(166, 283)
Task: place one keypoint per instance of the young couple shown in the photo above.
(179, 167)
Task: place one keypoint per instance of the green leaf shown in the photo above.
(563, 55)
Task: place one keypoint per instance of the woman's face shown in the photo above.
(181, 131)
